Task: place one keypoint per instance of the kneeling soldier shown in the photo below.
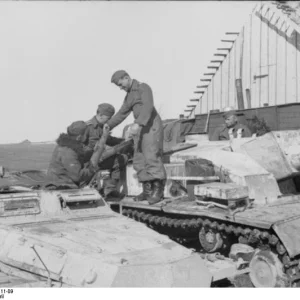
(68, 167)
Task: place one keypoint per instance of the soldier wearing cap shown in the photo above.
(231, 127)
(147, 132)
(95, 125)
(114, 163)
(67, 167)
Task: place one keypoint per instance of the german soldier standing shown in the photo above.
(147, 132)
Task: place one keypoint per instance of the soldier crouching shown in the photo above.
(69, 166)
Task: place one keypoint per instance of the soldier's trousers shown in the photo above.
(115, 164)
(148, 152)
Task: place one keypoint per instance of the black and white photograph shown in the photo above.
(149, 144)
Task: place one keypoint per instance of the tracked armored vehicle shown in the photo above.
(221, 193)
(71, 238)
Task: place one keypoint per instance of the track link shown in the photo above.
(187, 229)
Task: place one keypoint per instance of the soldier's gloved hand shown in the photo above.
(134, 129)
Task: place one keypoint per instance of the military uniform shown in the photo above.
(147, 160)
(66, 168)
(93, 133)
(115, 163)
(222, 132)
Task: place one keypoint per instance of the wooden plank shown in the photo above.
(297, 42)
(239, 93)
(204, 101)
(210, 97)
(225, 86)
(231, 77)
(274, 18)
(220, 73)
(248, 97)
(264, 10)
(291, 71)
(272, 54)
(264, 65)
(217, 90)
(238, 56)
(200, 106)
(281, 69)
(246, 73)
(255, 61)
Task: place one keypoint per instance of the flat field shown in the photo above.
(20, 157)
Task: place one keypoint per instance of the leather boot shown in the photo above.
(157, 195)
(146, 193)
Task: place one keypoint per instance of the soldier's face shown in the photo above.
(102, 119)
(230, 121)
(124, 84)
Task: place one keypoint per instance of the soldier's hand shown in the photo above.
(85, 172)
(134, 129)
(106, 130)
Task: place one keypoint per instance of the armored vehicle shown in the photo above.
(71, 238)
(245, 191)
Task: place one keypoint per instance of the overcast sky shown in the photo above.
(56, 59)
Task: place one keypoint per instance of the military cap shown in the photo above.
(229, 113)
(106, 109)
(118, 75)
(77, 128)
(228, 108)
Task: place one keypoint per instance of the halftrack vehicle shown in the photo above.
(219, 193)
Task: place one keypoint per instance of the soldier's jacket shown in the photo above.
(67, 167)
(221, 133)
(94, 132)
(147, 159)
(138, 100)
